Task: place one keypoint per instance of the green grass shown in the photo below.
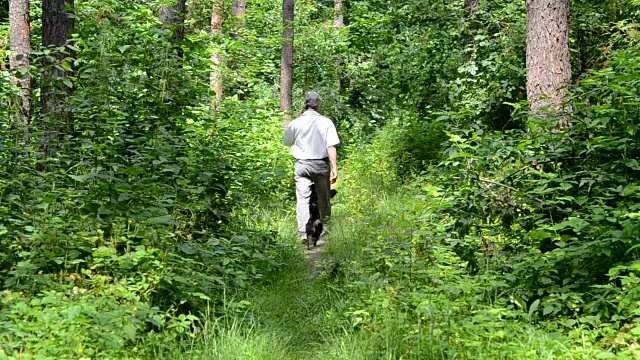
(287, 320)
(296, 316)
(230, 340)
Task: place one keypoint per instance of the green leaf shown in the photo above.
(565, 186)
(606, 355)
(534, 307)
(201, 296)
(575, 223)
(460, 155)
(632, 248)
(43, 206)
(81, 178)
(73, 312)
(187, 249)
(157, 320)
(129, 331)
(161, 220)
(192, 317)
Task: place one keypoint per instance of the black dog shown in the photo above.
(314, 225)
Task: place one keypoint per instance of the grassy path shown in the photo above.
(297, 312)
(293, 315)
(301, 312)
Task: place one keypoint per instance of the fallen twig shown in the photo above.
(497, 183)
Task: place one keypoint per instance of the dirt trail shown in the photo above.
(314, 256)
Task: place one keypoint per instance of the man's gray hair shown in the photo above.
(311, 100)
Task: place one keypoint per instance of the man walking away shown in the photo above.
(313, 139)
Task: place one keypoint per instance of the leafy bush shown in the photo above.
(529, 232)
(109, 320)
(116, 225)
(410, 295)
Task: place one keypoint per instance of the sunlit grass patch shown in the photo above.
(231, 340)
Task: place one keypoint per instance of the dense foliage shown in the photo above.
(520, 220)
(466, 226)
(120, 221)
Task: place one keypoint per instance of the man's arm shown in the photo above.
(288, 136)
(332, 141)
(333, 159)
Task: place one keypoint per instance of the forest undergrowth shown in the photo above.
(146, 200)
(385, 291)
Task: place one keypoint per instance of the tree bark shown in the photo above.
(339, 13)
(217, 17)
(470, 6)
(20, 40)
(339, 24)
(548, 57)
(173, 15)
(239, 14)
(286, 62)
(238, 84)
(56, 26)
(56, 22)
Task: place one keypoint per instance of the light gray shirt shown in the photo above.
(310, 135)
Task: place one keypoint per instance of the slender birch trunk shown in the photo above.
(339, 24)
(217, 17)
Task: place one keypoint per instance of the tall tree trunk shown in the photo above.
(239, 14)
(173, 15)
(20, 40)
(56, 26)
(471, 6)
(235, 64)
(217, 16)
(286, 62)
(548, 65)
(339, 23)
(339, 13)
